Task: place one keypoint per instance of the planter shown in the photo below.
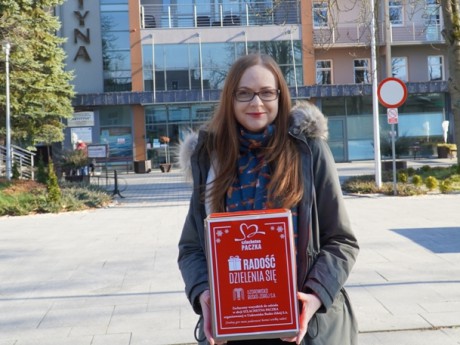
(165, 167)
(142, 167)
(447, 151)
(388, 165)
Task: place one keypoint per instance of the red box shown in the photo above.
(252, 275)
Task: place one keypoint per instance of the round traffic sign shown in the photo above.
(392, 92)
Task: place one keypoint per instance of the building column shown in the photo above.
(137, 79)
(308, 49)
(139, 149)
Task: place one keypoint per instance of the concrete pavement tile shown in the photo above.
(164, 320)
(187, 318)
(159, 301)
(368, 339)
(439, 307)
(453, 333)
(377, 321)
(449, 289)
(112, 339)
(96, 317)
(404, 297)
(8, 342)
(157, 336)
(17, 317)
(418, 337)
(54, 340)
(444, 319)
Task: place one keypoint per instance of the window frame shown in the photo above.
(320, 10)
(321, 70)
(398, 7)
(393, 74)
(429, 66)
(366, 69)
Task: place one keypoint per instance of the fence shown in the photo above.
(21, 158)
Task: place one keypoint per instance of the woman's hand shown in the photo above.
(310, 304)
(205, 301)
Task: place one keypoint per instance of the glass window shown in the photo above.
(115, 116)
(323, 72)
(154, 115)
(116, 40)
(432, 20)
(179, 114)
(333, 106)
(320, 14)
(201, 113)
(435, 68)
(396, 12)
(362, 71)
(117, 61)
(399, 68)
(178, 66)
(105, 2)
(114, 7)
(111, 21)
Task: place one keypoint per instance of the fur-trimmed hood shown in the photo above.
(305, 118)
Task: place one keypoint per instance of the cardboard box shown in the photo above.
(252, 274)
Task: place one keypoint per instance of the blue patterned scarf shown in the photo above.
(249, 190)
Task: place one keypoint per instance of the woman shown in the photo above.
(258, 153)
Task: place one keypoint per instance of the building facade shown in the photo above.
(146, 69)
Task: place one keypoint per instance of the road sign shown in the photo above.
(392, 92)
(392, 116)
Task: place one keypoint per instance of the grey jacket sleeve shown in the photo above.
(333, 237)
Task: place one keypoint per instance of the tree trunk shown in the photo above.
(451, 32)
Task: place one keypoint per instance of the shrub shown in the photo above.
(445, 186)
(402, 177)
(410, 171)
(431, 182)
(425, 168)
(417, 180)
(402, 189)
(54, 191)
(361, 184)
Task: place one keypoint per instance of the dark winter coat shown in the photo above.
(327, 247)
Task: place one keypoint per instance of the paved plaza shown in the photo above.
(109, 276)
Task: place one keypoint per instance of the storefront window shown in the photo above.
(116, 131)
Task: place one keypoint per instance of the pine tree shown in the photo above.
(40, 89)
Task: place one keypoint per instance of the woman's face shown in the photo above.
(256, 114)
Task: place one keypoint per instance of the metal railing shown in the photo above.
(361, 34)
(215, 15)
(22, 158)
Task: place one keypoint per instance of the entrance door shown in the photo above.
(337, 138)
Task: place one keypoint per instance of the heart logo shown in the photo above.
(248, 231)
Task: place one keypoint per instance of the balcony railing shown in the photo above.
(361, 34)
(215, 15)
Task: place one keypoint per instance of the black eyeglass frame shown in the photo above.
(258, 95)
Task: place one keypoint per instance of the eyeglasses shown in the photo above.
(264, 95)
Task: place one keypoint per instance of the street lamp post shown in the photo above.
(6, 48)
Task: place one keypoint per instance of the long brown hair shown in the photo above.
(285, 185)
